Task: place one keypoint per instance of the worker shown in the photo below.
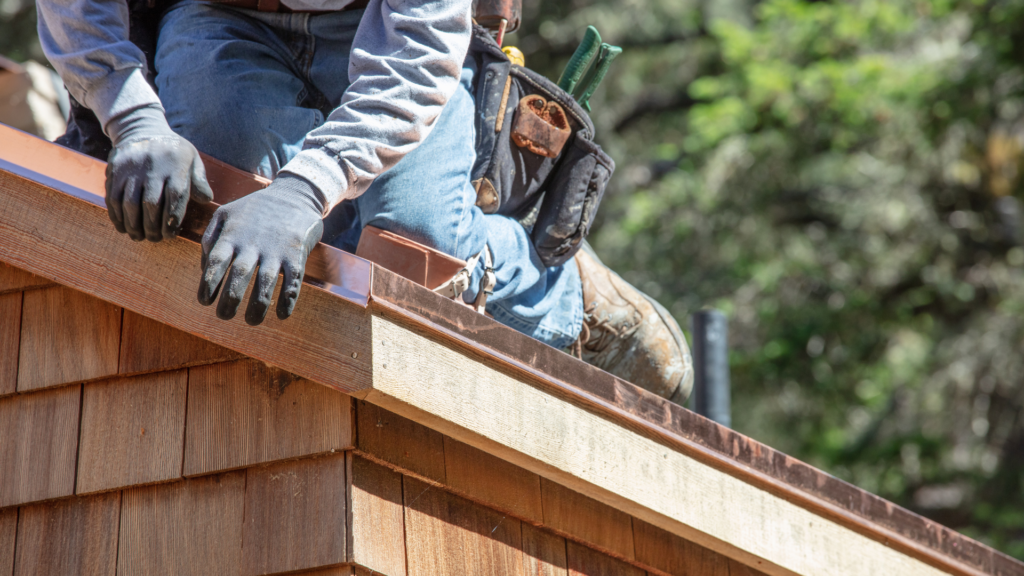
(366, 106)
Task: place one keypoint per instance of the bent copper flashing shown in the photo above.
(358, 281)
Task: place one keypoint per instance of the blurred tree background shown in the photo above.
(842, 178)
(18, 40)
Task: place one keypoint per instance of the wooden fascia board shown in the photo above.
(46, 229)
(662, 480)
(683, 430)
(52, 222)
(343, 274)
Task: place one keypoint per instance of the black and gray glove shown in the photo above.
(151, 174)
(273, 229)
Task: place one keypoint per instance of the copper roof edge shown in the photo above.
(360, 282)
(691, 433)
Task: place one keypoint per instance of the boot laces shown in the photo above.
(606, 332)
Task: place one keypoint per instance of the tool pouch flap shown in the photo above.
(556, 197)
(569, 207)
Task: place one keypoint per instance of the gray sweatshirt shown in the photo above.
(405, 64)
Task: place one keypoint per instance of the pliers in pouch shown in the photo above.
(587, 67)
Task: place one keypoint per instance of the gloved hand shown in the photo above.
(151, 174)
(274, 229)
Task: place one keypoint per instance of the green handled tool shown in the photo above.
(591, 50)
(595, 75)
(580, 60)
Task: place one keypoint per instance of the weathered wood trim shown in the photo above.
(498, 410)
(54, 235)
(855, 507)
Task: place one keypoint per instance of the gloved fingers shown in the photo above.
(235, 283)
(153, 208)
(293, 272)
(217, 256)
(262, 292)
(131, 206)
(294, 269)
(212, 234)
(200, 190)
(175, 203)
(115, 196)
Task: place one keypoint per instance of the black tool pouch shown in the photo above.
(555, 197)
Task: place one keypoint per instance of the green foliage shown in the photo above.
(18, 40)
(840, 178)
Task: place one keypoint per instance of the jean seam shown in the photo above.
(554, 337)
(466, 209)
(458, 231)
(309, 44)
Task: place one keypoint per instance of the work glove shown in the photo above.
(151, 174)
(273, 229)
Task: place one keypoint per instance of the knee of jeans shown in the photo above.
(455, 233)
(178, 13)
(217, 94)
(231, 134)
(254, 138)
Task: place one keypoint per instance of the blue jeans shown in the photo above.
(246, 87)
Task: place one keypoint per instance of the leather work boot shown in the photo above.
(627, 333)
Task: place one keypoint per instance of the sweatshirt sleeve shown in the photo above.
(87, 42)
(405, 64)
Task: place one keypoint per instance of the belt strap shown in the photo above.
(268, 5)
(460, 282)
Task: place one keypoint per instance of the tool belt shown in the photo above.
(535, 162)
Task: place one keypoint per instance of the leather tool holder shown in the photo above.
(540, 126)
(489, 13)
(557, 197)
